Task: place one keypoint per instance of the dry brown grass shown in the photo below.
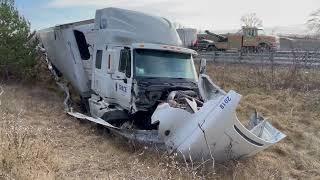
(38, 141)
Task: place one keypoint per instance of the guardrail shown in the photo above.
(310, 58)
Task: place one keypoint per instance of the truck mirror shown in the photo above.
(203, 66)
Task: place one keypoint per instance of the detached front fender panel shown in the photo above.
(214, 130)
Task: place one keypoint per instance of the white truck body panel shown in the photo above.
(214, 130)
(126, 27)
(64, 54)
(188, 36)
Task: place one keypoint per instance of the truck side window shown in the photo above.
(98, 59)
(125, 62)
(82, 45)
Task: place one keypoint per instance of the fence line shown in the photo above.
(309, 58)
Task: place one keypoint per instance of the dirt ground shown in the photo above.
(38, 141)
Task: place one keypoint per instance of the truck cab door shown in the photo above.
(123, 78)
(102, 82)
(98, 74)
(249, 38)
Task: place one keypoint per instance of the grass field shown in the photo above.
(38, 141)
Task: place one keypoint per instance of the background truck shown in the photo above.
(135, 79)
(247, 39)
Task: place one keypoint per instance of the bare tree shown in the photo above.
(314, 21)
(251, 20)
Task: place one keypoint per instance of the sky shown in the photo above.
(200, 14)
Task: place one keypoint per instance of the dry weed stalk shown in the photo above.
(1, 93)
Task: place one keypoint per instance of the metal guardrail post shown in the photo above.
(240, 56)
(271, 57)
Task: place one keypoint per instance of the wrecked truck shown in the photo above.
(135, 79)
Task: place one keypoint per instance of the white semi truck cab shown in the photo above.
(135, 78)
(138, 76)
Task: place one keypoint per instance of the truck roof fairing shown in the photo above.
(135, 27)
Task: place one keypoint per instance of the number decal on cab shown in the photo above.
(225, 102)
(123, 88)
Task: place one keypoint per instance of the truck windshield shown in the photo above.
(163, 64)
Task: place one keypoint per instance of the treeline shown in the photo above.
(17, 44)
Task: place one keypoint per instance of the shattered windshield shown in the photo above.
(163, 64)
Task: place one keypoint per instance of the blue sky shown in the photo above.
(41, 15)
(203, 14)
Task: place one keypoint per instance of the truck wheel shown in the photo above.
(263, 48)
(245, 50)
(212, 48)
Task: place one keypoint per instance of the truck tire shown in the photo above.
(212, 48)
(263, 47)
(245, 50)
